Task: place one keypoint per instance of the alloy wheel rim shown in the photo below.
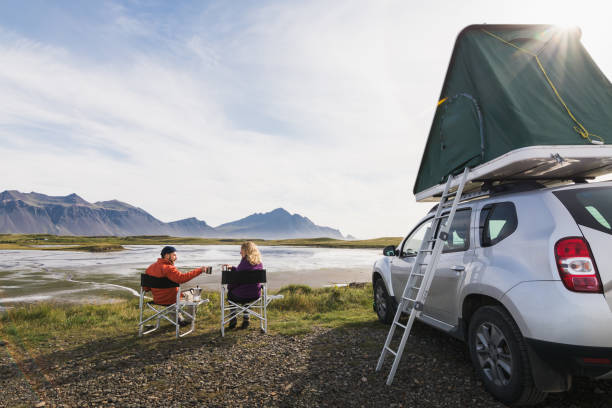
(494, 354)
(381, 304)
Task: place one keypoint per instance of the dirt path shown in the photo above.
(328, 367)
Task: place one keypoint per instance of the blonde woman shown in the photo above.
(245, 293)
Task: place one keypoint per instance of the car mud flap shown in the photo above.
(546, 378)
(460, 331)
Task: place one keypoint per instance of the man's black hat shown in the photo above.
(167, 250)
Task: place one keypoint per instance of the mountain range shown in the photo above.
(35, 213)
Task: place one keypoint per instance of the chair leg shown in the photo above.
(140, 304)
(222, 310)
(265, 308)
(177, 311)
(263, 322)
(193, 319)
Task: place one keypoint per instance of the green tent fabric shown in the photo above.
(496, 98)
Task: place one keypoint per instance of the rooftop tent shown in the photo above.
(510, 87)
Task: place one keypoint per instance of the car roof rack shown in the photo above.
(492, 188)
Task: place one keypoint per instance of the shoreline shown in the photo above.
(107, 293)
(45, 242)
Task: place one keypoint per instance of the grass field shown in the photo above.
(110, 243)
(42, 325)
(82, 355)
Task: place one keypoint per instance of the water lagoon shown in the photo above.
(83, 277)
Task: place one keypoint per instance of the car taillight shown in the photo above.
(576, 266)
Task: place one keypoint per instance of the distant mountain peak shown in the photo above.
(38, 199)
(279, 210)
(189, 220)
(10, 194)
(74, 199)
(276, 224)
(35, 213)
(191, 224)
(116, 205)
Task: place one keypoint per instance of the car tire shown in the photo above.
(384, 305)
(499, 355)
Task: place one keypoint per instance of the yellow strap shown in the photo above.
(579, 128)
(442, 101)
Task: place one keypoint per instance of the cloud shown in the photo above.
(133, 126)
(219, 110)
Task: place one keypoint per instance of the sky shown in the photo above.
(219, 109)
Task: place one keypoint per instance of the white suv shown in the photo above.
(525, 279)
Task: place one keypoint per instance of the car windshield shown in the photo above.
(591, 207)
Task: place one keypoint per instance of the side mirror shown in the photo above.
(389, 250)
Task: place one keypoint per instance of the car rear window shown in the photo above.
(591, 207)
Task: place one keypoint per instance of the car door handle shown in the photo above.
(458, 268)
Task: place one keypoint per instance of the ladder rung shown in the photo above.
(391, 351)
(416, 287)
(419, 274)
(407, 298)
(427, 250)
(403, 326)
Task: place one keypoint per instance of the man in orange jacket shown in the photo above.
(164, 268)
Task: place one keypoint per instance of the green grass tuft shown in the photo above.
(293, 289)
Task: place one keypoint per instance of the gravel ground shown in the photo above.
(327, 367)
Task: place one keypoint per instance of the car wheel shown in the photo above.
(384, 304)
(499, 355)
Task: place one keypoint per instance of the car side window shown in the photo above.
(459, 232)
(497, 222)
(413, 242)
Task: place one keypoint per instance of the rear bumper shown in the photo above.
(593, 362)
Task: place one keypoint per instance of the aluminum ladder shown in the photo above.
(418, 283)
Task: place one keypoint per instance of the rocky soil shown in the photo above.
(327, 367)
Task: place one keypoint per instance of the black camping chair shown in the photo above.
(163, 311)
(255, 307)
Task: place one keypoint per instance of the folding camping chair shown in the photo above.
(257, 307)
(163, 311)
